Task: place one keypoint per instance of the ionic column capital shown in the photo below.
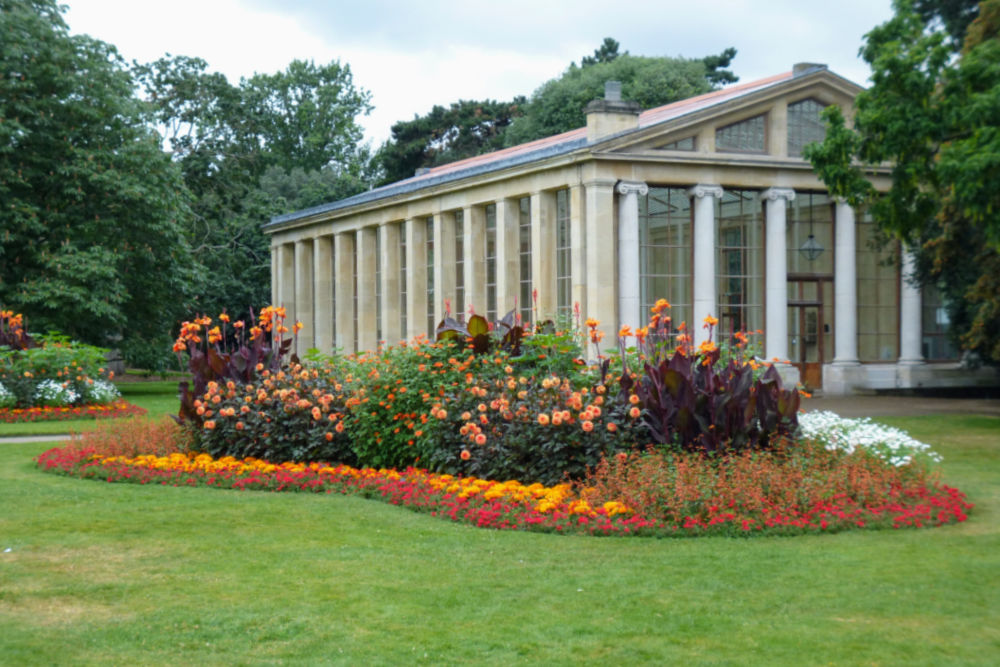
(774, 194)
(632, 188)
(703, 190)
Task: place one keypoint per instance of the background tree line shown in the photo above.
(132, 195)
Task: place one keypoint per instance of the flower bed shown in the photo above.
(697, 495)
(115, 409)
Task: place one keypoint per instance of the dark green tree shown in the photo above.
(463, 129)
(557, 106)
(298, 126)
(92, 212)
(933, 113)
(605, 53)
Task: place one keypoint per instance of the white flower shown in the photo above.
(837, 433)
(52, 393)
(101, 391)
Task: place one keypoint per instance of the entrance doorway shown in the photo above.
(809, 331)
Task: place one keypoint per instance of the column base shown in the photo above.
(790, 376)
(910, 362)
(842, 378)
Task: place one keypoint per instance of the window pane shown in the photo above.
(665, 251)
(804, 125)
(744, 137)
(564, 286)
(739, 262)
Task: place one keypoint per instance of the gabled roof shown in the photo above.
(541, 148)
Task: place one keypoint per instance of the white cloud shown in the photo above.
(413, 55)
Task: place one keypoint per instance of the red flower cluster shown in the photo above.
(113, 410)
(509, 506)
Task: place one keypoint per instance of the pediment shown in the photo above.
(774, 121)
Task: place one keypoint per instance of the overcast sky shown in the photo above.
(412, 54)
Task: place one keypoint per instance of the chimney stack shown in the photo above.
(610, 115)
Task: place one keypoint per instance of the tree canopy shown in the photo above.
(558, 105)
(92, 212)
(238, 145)
(933, 113)
(111, 239)
(468, 127)
(463, 129)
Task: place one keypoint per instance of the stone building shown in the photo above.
(706, 202)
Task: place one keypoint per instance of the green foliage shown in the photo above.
(468, 127)
(93, 212)
(446, 134)
(557, 106)
(56, 371)
(286, 423)
(605, 53)
(932, 113)
(271, 144)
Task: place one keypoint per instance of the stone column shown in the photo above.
(304, 295)
(275, 273)
(629, 292)
(416, 277)
(705, 288)
(474, 266)
(578, 247)
(344, 287)
(323, 292)
(508, 255)
(444, 265)
(600, 234)
(286, 284)
(845, 287)
(776, 277)
(543, 253)
(365, 251)
(910, 325)
(392, 331)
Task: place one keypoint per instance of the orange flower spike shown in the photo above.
(223, 317)
(709, 321)
(625, 332)
(592, 323)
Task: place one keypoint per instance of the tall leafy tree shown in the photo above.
(467, 128)
(557, 106)
(605, 53)
(463, 129)
(933, 112)
(298, 126)
(92, 212)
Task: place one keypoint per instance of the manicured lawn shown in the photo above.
(100, 573)
(159, 398)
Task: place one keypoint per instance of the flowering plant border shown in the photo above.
(114, 410)
(505, 505)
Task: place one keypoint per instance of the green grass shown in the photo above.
(159, 398)
(125, 574)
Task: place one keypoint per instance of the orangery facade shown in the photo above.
(705, 202)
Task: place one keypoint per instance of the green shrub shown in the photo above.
(53, 371)
(286, 416)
